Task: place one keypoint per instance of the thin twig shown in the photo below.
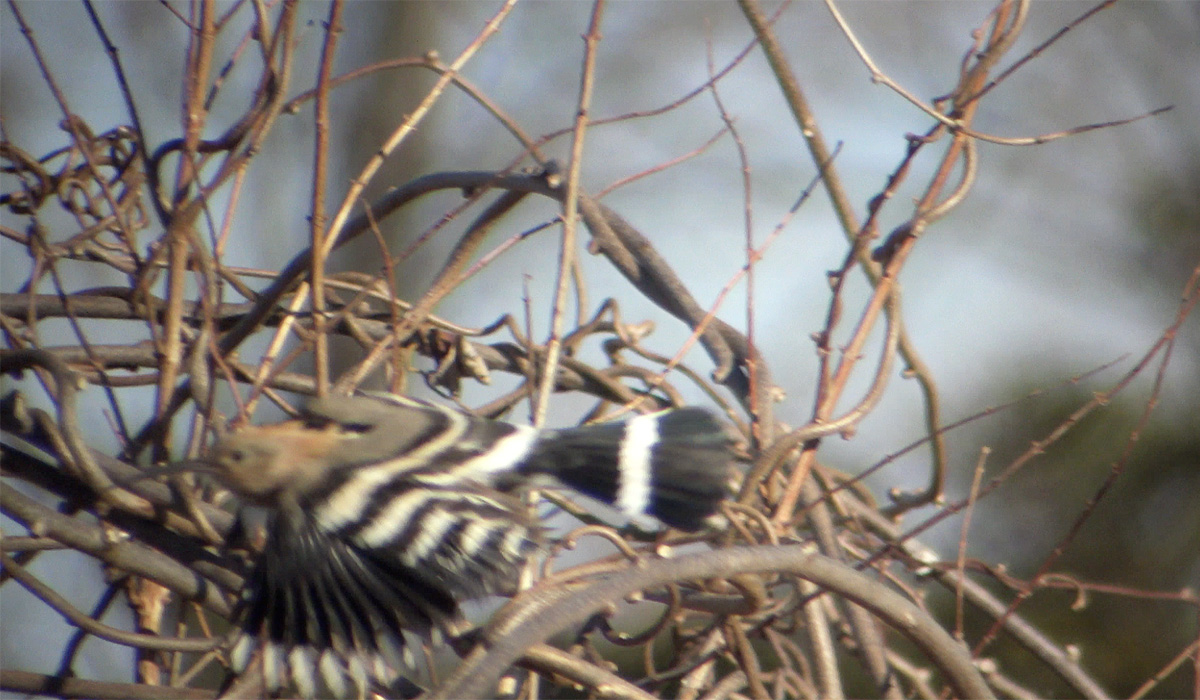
(566, 256)
(76, 617)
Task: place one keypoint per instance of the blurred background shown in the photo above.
(1066, 255)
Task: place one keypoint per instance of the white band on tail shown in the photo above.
(633, 494)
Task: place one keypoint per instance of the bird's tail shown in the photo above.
(673, 465)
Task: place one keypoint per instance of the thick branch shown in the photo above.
(540, 614)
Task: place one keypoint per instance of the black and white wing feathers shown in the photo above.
(414, 516)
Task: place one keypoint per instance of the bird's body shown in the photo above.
(387, 512)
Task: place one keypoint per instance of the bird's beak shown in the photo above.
(181, 467)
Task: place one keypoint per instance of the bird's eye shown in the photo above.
(237, 455)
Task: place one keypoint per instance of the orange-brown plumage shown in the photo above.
(267, 463)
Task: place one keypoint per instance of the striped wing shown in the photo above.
(330, 605)
(672, 465)
(413, 516)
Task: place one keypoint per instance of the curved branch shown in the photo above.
(66, 385)
(545, 612)
(546, 659)
(76, 617)
(129, 556)
(621, 243)
(39, 684)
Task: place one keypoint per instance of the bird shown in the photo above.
(386, 513)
